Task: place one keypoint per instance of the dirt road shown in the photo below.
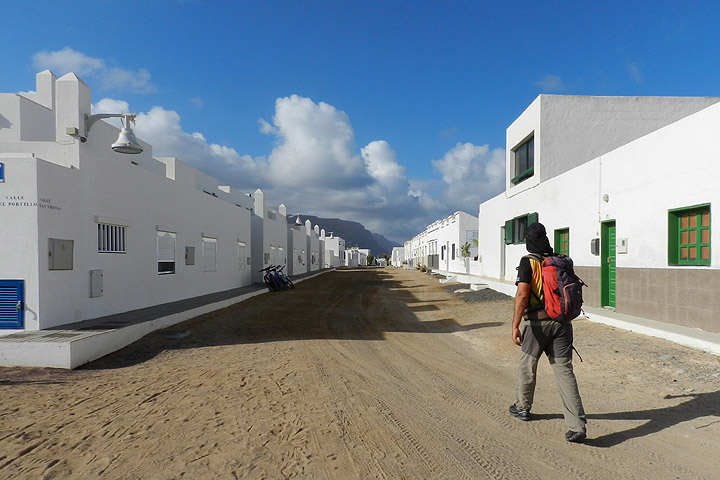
(354, 375)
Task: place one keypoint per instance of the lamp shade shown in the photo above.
(126, 142)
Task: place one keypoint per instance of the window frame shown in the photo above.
(207, 251)
(523, 169)
(675, 234)
(558, 241)
(164, 265)
(242, 255)
(111, 238)
(516, 227)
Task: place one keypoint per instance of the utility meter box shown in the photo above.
(622, 245)
(96, 283)
(595, 246)
(60, 254)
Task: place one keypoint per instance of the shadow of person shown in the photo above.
(699, 405)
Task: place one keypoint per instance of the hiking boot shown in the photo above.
(575, 437)
(521, 413)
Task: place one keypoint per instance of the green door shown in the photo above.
(607, 264)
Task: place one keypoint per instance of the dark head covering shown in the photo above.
(537, 240)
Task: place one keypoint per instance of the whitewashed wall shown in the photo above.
(269, 231)
(297, 250)
(334, 247)
(141, 192)
(673, 167)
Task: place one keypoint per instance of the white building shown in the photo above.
(334, 250)
(625, 186)
(269, 236)
(297, 244)
(313, 246)
(398, 256)
(356, 257)
(89, 232)
(439, 246)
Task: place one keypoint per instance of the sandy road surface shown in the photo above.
(356, 375)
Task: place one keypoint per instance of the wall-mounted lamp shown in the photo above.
(126, 142)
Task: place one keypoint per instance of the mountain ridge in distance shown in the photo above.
(354, 233)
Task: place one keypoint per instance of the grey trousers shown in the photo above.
(572, 407)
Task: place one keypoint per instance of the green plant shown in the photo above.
(465, 249)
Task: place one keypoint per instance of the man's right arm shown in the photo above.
(522, 296)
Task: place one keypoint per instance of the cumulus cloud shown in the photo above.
(111, 78)
(315, 145)
(551, 83)
(314, 168)
(471, 174)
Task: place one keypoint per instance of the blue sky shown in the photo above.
(388, 113)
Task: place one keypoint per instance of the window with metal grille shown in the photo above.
(111, 238)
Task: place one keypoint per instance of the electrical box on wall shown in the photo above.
(60, 254)
(595, 246)
(622, 245)
(96, 283)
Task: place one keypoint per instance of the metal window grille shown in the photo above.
(111, 238)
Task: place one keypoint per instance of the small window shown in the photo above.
(689, 236)
(189, 255)
(209, 254)
(562, 241)
(242, 264)
(111, 238)
(452, 252)
(515, 229)
(524, 161)
(166, 252)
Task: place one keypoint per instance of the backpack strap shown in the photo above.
(541, 303)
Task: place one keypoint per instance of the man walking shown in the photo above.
(539, 334)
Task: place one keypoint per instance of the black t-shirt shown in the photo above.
(524, 271)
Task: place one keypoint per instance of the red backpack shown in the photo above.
(562, 289)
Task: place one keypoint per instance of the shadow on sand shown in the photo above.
(341, 305)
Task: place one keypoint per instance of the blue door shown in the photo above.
(12, 304)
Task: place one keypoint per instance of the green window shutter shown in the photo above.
(532, 218)
(508, 232)
(673, 228)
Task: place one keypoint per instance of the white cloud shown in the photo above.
(314, 168)
(551, 83)
(471, 175)
(197, 101)
(68, 60)
(635, 73)
(315, 145)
